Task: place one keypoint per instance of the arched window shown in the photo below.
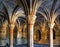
(53, 34)
(38, 35)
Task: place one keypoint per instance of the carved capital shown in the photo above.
(51, 25)
(11, 26)
(31, 19)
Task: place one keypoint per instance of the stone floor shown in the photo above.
(36, 45)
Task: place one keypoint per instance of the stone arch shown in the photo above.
(37, 31)
(23, 32)
(38, 35)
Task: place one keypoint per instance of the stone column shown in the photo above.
(11, 27)
(31, 21)
(3, 35)
(19, 36)
(51, 34)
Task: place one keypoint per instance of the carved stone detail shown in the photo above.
(11, 26)
(51, 25)
(31, 19)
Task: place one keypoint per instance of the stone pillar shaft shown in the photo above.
(11, 27)
(30, 35)
(19, 37)
(51, 37)
(3, 35)
(51, 25)
(31, 21)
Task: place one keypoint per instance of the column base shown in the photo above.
(11, 45)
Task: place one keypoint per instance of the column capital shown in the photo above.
(51, 25)
(11, 25)
(31, 19)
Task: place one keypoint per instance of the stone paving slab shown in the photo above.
(36, 45)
